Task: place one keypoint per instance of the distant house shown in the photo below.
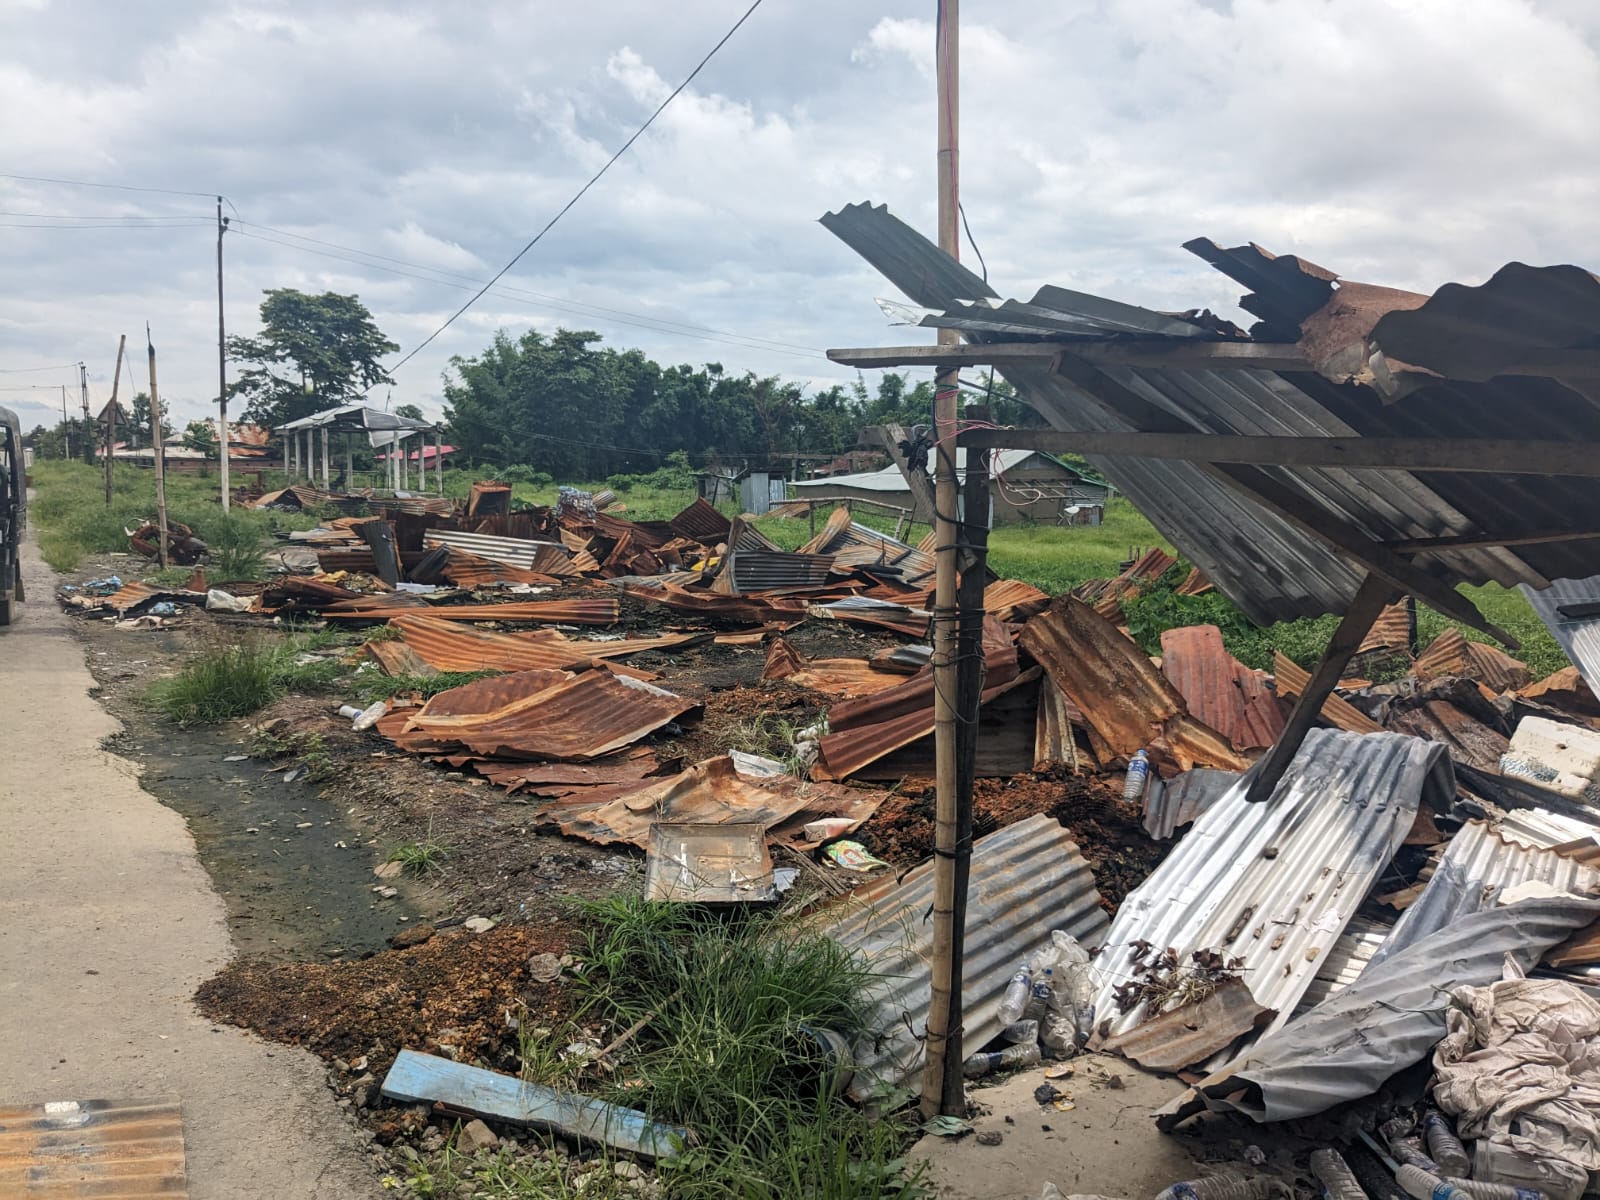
(1028, 485)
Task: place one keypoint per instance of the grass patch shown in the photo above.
(725, 1052)
(234, 679)
(425, 856)
(370, 686)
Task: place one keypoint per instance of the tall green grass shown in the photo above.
(725, 1052)
(234, 679)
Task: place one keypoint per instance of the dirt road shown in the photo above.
(108, 923)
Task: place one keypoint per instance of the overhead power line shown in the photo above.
(72, 366)
(579, 194)
(119, 187)
(176, 224)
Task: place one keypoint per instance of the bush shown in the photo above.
(223, 682)
(521, 473)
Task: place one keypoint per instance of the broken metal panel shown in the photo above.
(1342, 965)
(1478, 865)
(1027, 879)
(702, 522)
(1275, 883)
(1121, 694)
(1391, 631)
(516, 552)
(1452, 654)
(1193, 1032)
(1393, 1016)
(1013, 600)
(1220, 690)
(1579, 636)
(1180, 801)
(775, 571)
(105, 1148)
(1468, 739)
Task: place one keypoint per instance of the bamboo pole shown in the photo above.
(111, 415)
(944, 1008)
(160, 451)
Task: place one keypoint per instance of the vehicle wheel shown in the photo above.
(5, 613)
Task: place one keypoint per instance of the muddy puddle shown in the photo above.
(293, 870)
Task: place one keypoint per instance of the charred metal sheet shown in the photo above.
(1274, 884)
(1394, 1015)
(1054, 744)
(1452, 654)
(516, 552)
(1220, 690)
(1579, 636)
(1391, 631)
(745, 610)
(1006, 744)
(702, 522)
(1292, 678)
(451, 646)
(599, 611)
(1469, 740)
(1566, 689)
(133, 595)
(585, 717)
(104, 1148)
(1193, 1032)
(1478, 865)
(727, 789)
(1173, 803)
(1121, 694)
(486, 499)
(1027, 879)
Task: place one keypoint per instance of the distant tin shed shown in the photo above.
(1029, 484)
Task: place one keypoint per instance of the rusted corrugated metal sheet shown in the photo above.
(516, 552)
(702, 522)
(845, 678)
(132, 595)
(1194, 1032)
(602, 610)
(113, 1149)
(772, 571)
(1219, 689)
(451, 646)
(1452, 654)
(747, 610)
(398, 660)
(1107, 595)
(1292, 678)
(1124, 699)
(1274, 884)
(1391, 631)
(1027, 879)
(714, 792)
(1053, 741)
(567, 778)
(470, 571)
(1565, 689)
(1477, 866)
(866, 548)
(860, 610)
(1013, 600)
(585, 717)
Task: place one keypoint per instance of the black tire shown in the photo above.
(5, 612)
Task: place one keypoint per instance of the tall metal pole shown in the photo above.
(160, 453)
(943, 1046)
(222, 365)
(111, 415)
(88, 438)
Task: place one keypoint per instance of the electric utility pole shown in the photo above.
(111, 415)
(88, 439)
(222, 364)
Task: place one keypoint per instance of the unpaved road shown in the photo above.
(108, 923)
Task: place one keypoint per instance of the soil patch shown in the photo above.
(456, 994)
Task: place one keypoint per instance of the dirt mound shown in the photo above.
(455, 990)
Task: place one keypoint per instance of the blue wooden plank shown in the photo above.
(426, 1079)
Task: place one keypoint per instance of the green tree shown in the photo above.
(198, 435)
(409, 410)
(313, 352)
(139, 434)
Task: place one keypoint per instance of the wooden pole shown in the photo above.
(111, 416)
(160, 451)
(438, 458)
(88, 438)
(222, 367)
(944, 1008)
(327, 482)
(1375, 592)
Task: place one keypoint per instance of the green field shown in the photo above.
(73, 521)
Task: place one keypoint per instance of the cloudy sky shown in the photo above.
(406, 151)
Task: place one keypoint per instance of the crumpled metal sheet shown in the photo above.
(1477, 866)
(1220, 690)
(702, 522)
(451, 646)
(1468, 738)
(515, 552)
(600, 611)
(1119, 691)
(1027, 879)
(1275, 883)
(1391, 1017)
(845, 678)
(1452, 654)
(717, 791)
(1579, 636)
(1194, 1032)
(857, 545)
(585, 717)
(1292, 679)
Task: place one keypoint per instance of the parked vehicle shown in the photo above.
(13, 512)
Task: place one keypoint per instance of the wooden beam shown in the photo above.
(971, 355)
(1374, 593)
(1126, 405)
(1499, 456)
(1474, 541)
(917, 482)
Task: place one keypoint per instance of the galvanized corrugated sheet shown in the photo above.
(1579, 636)
(1027, 879)
(777, 571)
(1342, 965)
(1543, 829)
(516, 552)
(1276, 883)
(1476, 868)
(105, 1148)
(1180, 801)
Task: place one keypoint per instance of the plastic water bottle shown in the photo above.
(1138, 776)
(1016, 996)
(369, 716)
(1011, 1058)
(1020, 1033)
(1338, 1180)
(1227, 1186)
(1425, 1186)
(1444, 1147)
